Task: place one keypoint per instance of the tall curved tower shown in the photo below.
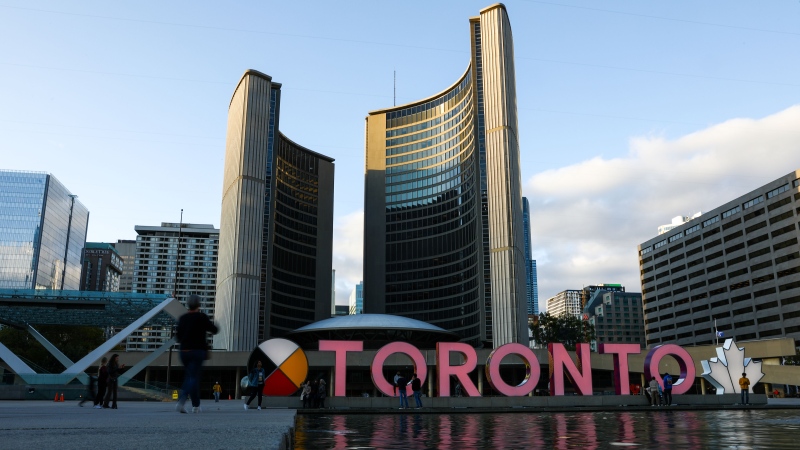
(443, 230)
(276, 228)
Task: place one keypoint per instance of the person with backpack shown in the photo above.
(255, 385)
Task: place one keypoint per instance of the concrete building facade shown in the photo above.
(566, 302)
(126, 249)
(42, 232)
(276, 227)
(174, 259)
(738, 265)
(443, 239)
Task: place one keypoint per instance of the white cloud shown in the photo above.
(348, 242)
(588, 218)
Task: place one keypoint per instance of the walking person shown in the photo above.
(217, 391)
(667, 389)
(416, 387)
(256, 380)
(402, 384)
(90, 391)
(114, 369)
(102, 382)
(322, 392)
(744, 385)
(654, 387)
(191, 333)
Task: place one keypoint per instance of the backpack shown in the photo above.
(245, 383)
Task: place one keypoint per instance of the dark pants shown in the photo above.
(417, 399)
(306, 400)
(101, 392)
(667, 397)
(745, 396)
(111, 393)
(321, 401)
(255, 391)
(193, 364)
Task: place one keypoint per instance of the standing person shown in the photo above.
(654, 391)
(416, 387)
(191, 333)
(667, 389)
(744, 385)
(322, 393)
(102, 382)
(402, 383)
(458, 389)
(114, 371)
(306, 394)
(313, 401)
(257, 377)
(396, 377)
(217, 391)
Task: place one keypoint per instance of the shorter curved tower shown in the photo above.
(276, 228)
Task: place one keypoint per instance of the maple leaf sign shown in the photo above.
(723, 372)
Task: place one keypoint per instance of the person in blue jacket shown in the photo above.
(667, 389)
(256, 385)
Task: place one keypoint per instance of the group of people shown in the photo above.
(401, 384)
(313, 393)
(107, 382)
(658, 395)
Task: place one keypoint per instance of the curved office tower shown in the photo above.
(276, 229)
(443, 237)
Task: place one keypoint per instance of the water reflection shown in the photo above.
(587, 431)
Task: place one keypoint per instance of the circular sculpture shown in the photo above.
(285, 364)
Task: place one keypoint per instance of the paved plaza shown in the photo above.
(139, 425)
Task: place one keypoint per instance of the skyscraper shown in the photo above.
(42, 232)
(443, 237)
(356, 301)
(276, 229)
(530, 264)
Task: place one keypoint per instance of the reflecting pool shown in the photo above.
(662, 429)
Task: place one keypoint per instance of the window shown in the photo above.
(647, 250)
(777, 191)
(710, 221)
(660, 244)
(676, 237)
(731, 212)
(692, 229)
(754, 202)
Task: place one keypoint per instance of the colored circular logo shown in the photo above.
(285, 364)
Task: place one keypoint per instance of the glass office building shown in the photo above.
(443, 237)
(42, 232)
(276, 227)
(530, 265)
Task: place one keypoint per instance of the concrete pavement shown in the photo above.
(137, 425)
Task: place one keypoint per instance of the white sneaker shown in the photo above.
(179, 407)
(259, 408)
(196, 409)
(97, 407)
(245, 406)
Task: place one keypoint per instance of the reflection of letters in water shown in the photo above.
(562, 362)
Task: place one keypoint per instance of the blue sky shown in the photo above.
(630, 112)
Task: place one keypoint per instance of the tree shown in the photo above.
(565, 329)
(75, 342)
